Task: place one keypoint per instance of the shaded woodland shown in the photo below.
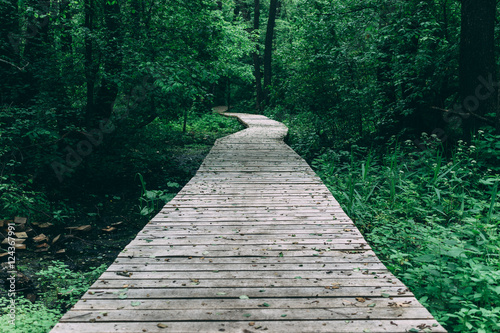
(106, 112)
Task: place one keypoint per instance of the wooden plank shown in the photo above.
(272, 303)
(243, 283)
(139, 315)
(168, 293)
(249, 266)
(353, 259)
(316, 326)
(277, 273)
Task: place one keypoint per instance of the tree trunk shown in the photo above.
(89, 62)
(9, 51)
(228, 93)
(268, 48)
(108, 90)
(37, 51)
(256, 57)
(477, 69)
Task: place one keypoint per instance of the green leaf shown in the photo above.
(135, 303)
(244, 297)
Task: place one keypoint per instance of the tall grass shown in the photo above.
(432, 219)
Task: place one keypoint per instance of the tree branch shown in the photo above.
(348, 11)
(13, 65)
(486, 120)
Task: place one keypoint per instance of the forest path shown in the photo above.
(254, 242)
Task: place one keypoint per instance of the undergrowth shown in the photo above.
(142, 171)
(60, 288)
(432, 219)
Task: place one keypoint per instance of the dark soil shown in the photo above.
(83, 250)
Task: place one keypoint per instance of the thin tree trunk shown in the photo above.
(9, 51)
(108, 90)
(256, 58)
(228, 93)
(89, 62)
(477, 68)
(268, 50)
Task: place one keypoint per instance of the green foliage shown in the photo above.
(62, 287)
(373, 68)
(202, 129)
(433, 220)
(30, 317)
(151, 201)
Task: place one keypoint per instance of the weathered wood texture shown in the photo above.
(253, 242)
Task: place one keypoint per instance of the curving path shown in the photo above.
(254, 242)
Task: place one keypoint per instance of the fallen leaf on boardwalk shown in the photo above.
(360, 299)
(244, 297)
(162, 326)
(252, 323)
(283, 315)
(220, 294)
(372, 305)
(246, 315)
(264, 305)
(399, 304)
(136, 303)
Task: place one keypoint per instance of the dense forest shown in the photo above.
(106, 112)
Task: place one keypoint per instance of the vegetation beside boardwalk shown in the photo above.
(431, 215)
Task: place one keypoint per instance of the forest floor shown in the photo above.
(112, 210)
(82, 250)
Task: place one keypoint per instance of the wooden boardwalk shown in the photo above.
(254, 242)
